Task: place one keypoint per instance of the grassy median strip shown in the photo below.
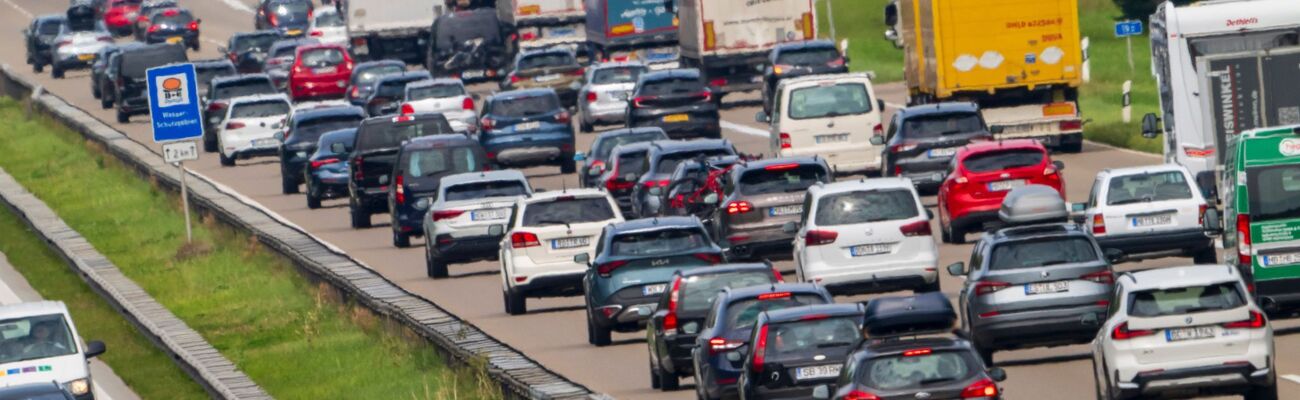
(292, 337)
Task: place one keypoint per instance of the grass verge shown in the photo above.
(863, 23)
(292, 337)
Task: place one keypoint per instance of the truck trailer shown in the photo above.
(544, 23)
(729, 40)
(633, 30)
(389, 29)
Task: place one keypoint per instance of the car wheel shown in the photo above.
(123, 117)
(56, 72)
(1100, 385)
(1207, 255)
(434, 266)
(38, 68)
(360, 218)
(956, 235)
(226, 161)
(313, 202)
(105, 102)
(516, 303)
(401, 240)
(654, 376)
(596, 335)
(929, 287)
(667, 380)
(209, 143)
(585, 126)
(94, 92)
(568, 165)
(985, 353)
(1262, 392)
(287, 184)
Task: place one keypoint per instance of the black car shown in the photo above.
(720, 347)
(662, 161)
(679, 101)
(671, 331)
(469, 45)
(593, 162)
(207, 70)
(248, 50)
(795, 59)
(141, 19)
(129, 80)
(281, 57)
(374, 154)
(922, 140)
(797, 349)
(220, 91)
(174, 26)
(327, 169)
(39, 37)
(421, 164)
(304, 131)
(291, 18)
(390, 91)
(364, 76)
(99, 68)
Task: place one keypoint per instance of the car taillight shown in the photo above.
(234, 125)
(577, 72)
(1105, 277)
(153, 28)
(1098, 224)
(609, 267)
(819, 238)
(739, 207)
(721, 345)
(1243, 241)
(860, 395)
(710, 258)
(989, 287)
(407, 109)
(321, 163)
(639, 101)
(63, 43)
(1071, 125)
(487, 124)
(670, 319)
(925, 351)
(653, 184)
(918, 228)
(216, 106)
(467, 104)
(785, 140)
(562, 117)
(760, 349)
(1256, 321)
(718, 82)
(400, 189)
(357, 173)
(983, 388)
(520, 240)
(356, 92)
(446, 214)
(528, 36)
(591, 97)
(194, 25)
(705, 96)
(273, 19)
(1122, 332)
(1200, 215)
(515, 78)
(317, 33)
(902, 147)
(878, 130)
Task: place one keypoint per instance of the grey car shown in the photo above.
(603, 97)
(759, 198)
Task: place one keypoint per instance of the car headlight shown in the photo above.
(422, 204)
(78, 387)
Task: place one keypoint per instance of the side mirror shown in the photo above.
(338, 148)
(997, 374)
(579, 157)
(957, 269)
(711, 198)
(1059, 165)
(762, 118)
(1150, 126)
(94, 348)
(1115, 256)
(790, 227)
(877, 140)
(821, 392)
(582, 258)
(880, 104)
(1213, 224)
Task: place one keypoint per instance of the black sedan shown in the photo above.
(248, 49)
(795, 59)
(796, 349)
(679, 101)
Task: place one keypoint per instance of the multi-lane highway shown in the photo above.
(554, 331)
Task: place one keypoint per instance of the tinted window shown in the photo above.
(803, 337)
(668, 162)
(523, 107)
(372, 74)
(1176, 301)
(606, 76)
(480, 190)
(632, 163)
(31, 338)
(808, 56)
(393, 89)
(329, 140)
(135, 63)
(173, 19)
(866, 206)
(573, 211)
(547, 60)
(936, 126)
(608, 144)
(48, 28)
(205, 75)
(1274, 192)
(829, 101)
(1161, 186)
(242, 88)
(1001, 160)
(449, 160)
(663, 87)
(319, 58)
(462, 27)
(659, 242)
(329, 20)
(744, 313)
(385, 135)
(697, 292)
(260, 110)
(1042, 252)
(284, 51)
(258, 42)
(901, 372)
(434, 92)
(311, 129)
(781, 179)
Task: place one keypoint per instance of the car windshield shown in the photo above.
(254, 42)
(322, 58)
(811, 335)
(808, 56)
(373, 73)
(1160, 186)
(434, 92)
(606, 76)
(668, 162)
(290, 10)
(632, 163)
(671, 86)
(606, 145)
(35, 337)
(438, 161)
(1002, 160)
(310, 130)
(742, 314)
(568, 210)
(866, 206)
(781, 178)
(830, 100)
(1185, 300)
(939, 125)
(261, 109)
(657, 242)
(918, 369)
(547, 60)
(1273, 193)
(241, 88)
(485, 189)
(525, 106)
(697, 292)
(1042, 252)
(329, 20)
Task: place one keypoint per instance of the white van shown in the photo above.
(836, 116)
(39, 343)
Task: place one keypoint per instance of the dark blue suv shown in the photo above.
(305, 129)
(421, 163)
(525, 128)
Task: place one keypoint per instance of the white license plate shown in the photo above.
(528, 126)
(1002, 186)
(561, 32)
(1281, 259)
(325, 70)
(1152, 220)
(948, 152)
(660, 66)
(487, 215)
(547, 78)
(266, 143)
(836, 138)
(756, 79)
(651, 290)
(1193, 333)
(472, 74)
(569, 243)
(870, 249)
(818, 372)
(785, 210)
(1047, 287)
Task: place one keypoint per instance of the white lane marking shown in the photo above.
(731, 126)
(1293, 378)
(20, 9)
(1124, 150)
(212, 41)
(235, 4)
(99, 392)
(895, 105)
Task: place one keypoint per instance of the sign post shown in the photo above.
(1127, 112)
(1127, 30)
(176, 120)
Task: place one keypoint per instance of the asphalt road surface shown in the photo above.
(554, 331)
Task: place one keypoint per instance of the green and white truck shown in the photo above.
(1262, 212)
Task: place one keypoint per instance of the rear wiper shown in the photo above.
(553, 222)
(834, 344)
(1130, 201)
(936, 380)
(1055, 262)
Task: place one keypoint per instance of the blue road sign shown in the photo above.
(1128, 28)
(174, 103)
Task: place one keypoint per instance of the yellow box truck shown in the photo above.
(1020, 60)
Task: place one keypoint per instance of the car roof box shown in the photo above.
(1033, 204)
(909, 315)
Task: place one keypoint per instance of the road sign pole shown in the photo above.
(1127, 111)
(185, 202)
(176, 121)
(830, 18)
(1131, 68)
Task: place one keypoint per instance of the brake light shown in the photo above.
(606, 268)
(918, 352)
(719, 82)
(1243, 241)
(446, 214)
(153, 28)
(705, 96)
(320, 163)
(721, 345)
(878, 130)
(234, 125)
(526, 36)
(408, 109)
(400, 189)
(902, 147)
(780, 167)
(170, 13)
(650, 184)
(194, 25)
(710, 258)
(1098, 224)
(317, 33)
(614, 183)
(1105, 277)
(989, 287)
(639, 101)
(591, 97)
(760, 349)
(670, 319)
(577, 72)
(739, 207)
(467, 104)
(273, 19)
(356, 92)
(785, 140)
(515, 78)
(357, 173)
(63, 43)
(562, 117)
(1122, 332)
(487, 124)
(983, 388)
(1256, 321)
(838, 62)
(520, 240)
(216, 106)
(860, 395)
(918, 228)
(820, 238)
(1073, 125)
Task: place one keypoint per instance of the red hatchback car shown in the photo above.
(119, 15)
(320, 71)
(982, 174)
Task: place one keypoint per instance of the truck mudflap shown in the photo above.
(1055, 124)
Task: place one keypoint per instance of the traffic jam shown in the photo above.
(578, 148)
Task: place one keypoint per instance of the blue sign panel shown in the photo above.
(174, 103)
(1128, 28)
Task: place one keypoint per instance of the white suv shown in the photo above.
(467, 218)
(547, 231)
(866, 236)
(1148, 212)
(837, 117)
(1185, 330)
(254, 127)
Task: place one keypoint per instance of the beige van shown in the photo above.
(836, 116)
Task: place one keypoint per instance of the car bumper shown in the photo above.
(1278, 294)
(1039, 328)
(1207, 380)
(760, 240)
(134, 105)
(679, 354)
(318, 89)
(552, 284)
(975, 220)
(631, 316)
(247, 150)
(73, 61)
(1190, 240)
(467, 247)
(408, 220)
(874, 276)
(330, 187)
(606, 113)
(791, 392)
(527, 156)
(695, 128)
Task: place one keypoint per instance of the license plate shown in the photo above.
(1281, 259)
(86, 57)
(1193, 333)
(785, 210)
(487, 215)
(818, 372)
(677, 118)
(660, 66)
(266, 143)
(949, 152)
(174, 40)
(1002, 186)
(561, 32)
(651, 290)
(547, 78)
(472, 74)
(292, 32)
(528, 126)
(756, 79)
(325, 70)
(569, 243)
(1152, 220)
(836, 138)
(1047, 287)
(870, 249)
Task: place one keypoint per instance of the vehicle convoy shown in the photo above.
(1221, 68)
(729, 40)
(797, 349)
(546, 231)
(1148, 212)
(835, 116)
(598, 157)
(470, 45)
(633, 30)
(374, 154)
(389, 29)
(302, 133)
(467, 212)
(543, 23)
(921, 141)
(1021, 61)
(1261, 215)
(40, 339)
(981, 175)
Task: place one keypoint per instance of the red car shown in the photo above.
(320, 71)
(119, 15)
(982, 175)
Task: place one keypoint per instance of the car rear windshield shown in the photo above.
(1185, 300)
(328, 140)
(251, 42)
(1002, 160)
(1161, 186)
(463, 27)
(205, 75)
(940, 125)
(668, 162)
(371, 74)
(1273, 193)
(1042, 252)
(289, 11)
(697, 292)
(830, 100)
(322, 58)
(261, 109)
(434, 92)
(606, 76)
(608, 144)
(486, 189)
(389, 135)
(812, 335)
(632, 163)
(173, 19)
(136, 62)
(808, 56)
(525, 106)
(392, 88)
(919, 370)
(241, 88)
(568, 211)
(657, 242)
(781, 179)
(547, 60)
(742, 314)
(438, 161)
(284, 51)
(310, 130)
(672, 86)
(866, 206)
(329, 20)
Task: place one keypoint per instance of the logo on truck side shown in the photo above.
(1243, 21)
(1289, 147)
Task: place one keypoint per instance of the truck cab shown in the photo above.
(1262, 220)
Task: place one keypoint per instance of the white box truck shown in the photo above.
(544, 23)
(390, 29)
(729, 40)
